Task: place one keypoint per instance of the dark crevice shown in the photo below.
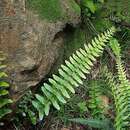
(66, 30)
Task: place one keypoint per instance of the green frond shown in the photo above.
(95, 102)
(123, 110)
(121, 91)
(4, 100)
(70, 75)
(121, 96)
(4, 111)
(110, 80)
(115, 47)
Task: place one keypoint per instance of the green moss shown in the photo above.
(47, 9)
(74, 41)
(75, 6)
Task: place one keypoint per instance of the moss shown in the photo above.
(47, 9)
(52, 9)
(75, 6)
(74, 41)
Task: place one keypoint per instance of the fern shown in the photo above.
(4, 101)
(70, 75)
(110, 81)
(122, 92)
(95, 102)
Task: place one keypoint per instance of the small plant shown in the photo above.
(23, 106)
(82, 107)
(90, 6)
(95, 102)
(4, 100)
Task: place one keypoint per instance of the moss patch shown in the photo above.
(75, 6)
(47, 9)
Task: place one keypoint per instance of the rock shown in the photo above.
(32, 43)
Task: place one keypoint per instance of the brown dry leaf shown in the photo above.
(105, 101)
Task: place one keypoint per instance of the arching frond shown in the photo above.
(121, 91)
(70, 75)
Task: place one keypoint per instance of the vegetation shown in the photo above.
(51, 10)
(48, 9)
(120, 90)
(4, 100)
(70, 75)
(91, 88)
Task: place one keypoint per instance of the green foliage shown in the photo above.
(89, 4)
(95, 102)
(82, 107)
(110, 80)
(48, 9)
(58, 89)
(89, 7)
(23, 108)
(95, 123)
(120, 89)
(122, 93)
(115, 47)
(119, 9)
(76, 106)
(4, 100)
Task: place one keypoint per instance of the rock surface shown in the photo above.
(32, 44)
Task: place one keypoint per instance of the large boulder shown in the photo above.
(31, 35)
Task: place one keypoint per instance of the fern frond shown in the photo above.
(110, 81)
(122, 92)
(123, 110)
(4, 100)
(70, 75)
(95, 102)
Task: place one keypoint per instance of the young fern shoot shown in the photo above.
(71, 75)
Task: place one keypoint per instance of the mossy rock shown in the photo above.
(52, 10)
(48, 9)
(75, 6)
